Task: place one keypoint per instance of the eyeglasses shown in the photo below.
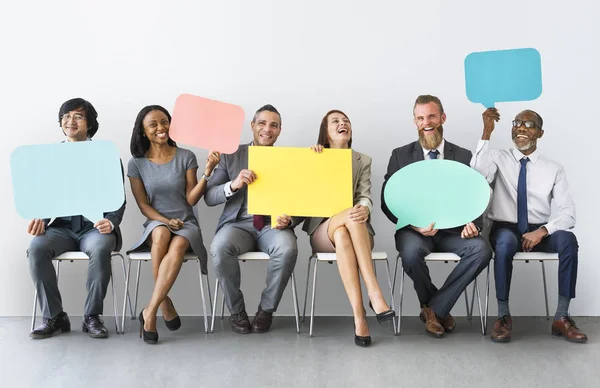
(77, 117)
(528, 123)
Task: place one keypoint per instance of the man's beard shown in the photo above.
(431, 142)
(525, 147)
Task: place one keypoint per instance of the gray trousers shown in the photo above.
(475, 254)
(240, 237)
(58, 240)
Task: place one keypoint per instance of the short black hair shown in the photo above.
(91, 116)
(139, 143)
(269, 108)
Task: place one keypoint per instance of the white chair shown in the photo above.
(255, 256)
(527, 257)
(443, 257)
(145, 256)
(330, 258)
(81, 256)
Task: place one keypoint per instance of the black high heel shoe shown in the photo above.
(150, 337)
(175, 323)
(362, 341)
(384, 316)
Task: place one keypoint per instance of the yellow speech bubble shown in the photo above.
(299, 181)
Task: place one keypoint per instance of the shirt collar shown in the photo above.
(86, 139)
(518, 155)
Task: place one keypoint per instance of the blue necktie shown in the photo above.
(522, 219)
(433, 154)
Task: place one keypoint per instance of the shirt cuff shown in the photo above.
(550, 228)
(112, 227)
(227, 189)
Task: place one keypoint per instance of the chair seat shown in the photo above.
(146, 256)
(332, 256)
(442, 256)
(254, 256)
(535, 256)
(76, 255)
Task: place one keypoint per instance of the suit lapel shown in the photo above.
(355, 168)
(418, 152)
(449, 151)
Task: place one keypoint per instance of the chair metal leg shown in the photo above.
(223, 306)
(306, 288)
(399, 330)
(472, 300)
(545, 290)
(296, 307)
(203, 297)
(115, 307)
(481, 317)
(487, 300)
(137, 288)
(467, 303)
(389, 278)
(126, 289)
(35, 298)
(210, 301)
(312, 305)
(125, 298)
(214, 311)
(57, 270)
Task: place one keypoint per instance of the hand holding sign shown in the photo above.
(443, 192)
(65, 179)
(208, 124)
(503, 75)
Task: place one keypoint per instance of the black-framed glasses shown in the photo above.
(528, 123)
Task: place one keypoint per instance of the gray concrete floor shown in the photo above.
(190, 358)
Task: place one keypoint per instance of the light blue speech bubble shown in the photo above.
(66, 179)
(503, 75)
(445, 192)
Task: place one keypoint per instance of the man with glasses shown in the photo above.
(78, 120)
(525, 184)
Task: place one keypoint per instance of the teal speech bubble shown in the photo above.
(503, 75)
(66, 179)
(445, 192)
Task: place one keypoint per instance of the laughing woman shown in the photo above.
(349, 233)
(166, 188)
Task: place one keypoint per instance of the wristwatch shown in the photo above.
(206, 177)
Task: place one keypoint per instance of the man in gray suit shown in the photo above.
(239, 232)
(413, 243)
(78, 120)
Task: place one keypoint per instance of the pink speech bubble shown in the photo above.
(206, 123)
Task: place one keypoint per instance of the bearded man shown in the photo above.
(525, 184)
(414, 243)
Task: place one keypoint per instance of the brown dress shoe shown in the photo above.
(262, 321)
(565, 327)
(502, 329)
(240, 323)
(448, 323)
(432, 323)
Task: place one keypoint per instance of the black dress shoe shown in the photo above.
(262, 321)
(51, 326)
(175, 323)
(240, 323)
(94, 326)
(384, 316)
(150, 337)
(362, 341)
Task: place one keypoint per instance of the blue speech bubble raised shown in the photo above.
(65, 179)
(445, 192)
(503, 75)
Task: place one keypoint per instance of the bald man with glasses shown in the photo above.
(525, 184)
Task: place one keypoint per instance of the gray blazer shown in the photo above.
(413, 152)
(227, 170)
(361, 187)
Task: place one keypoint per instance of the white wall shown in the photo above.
(370, 59)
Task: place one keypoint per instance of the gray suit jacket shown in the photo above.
(227, 170)
(413, 152)
(361, 188)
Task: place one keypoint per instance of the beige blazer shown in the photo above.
(361, 187)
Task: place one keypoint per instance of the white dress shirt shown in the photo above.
(439, 148)
(546, 181)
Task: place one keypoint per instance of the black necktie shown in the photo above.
(76, 223)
